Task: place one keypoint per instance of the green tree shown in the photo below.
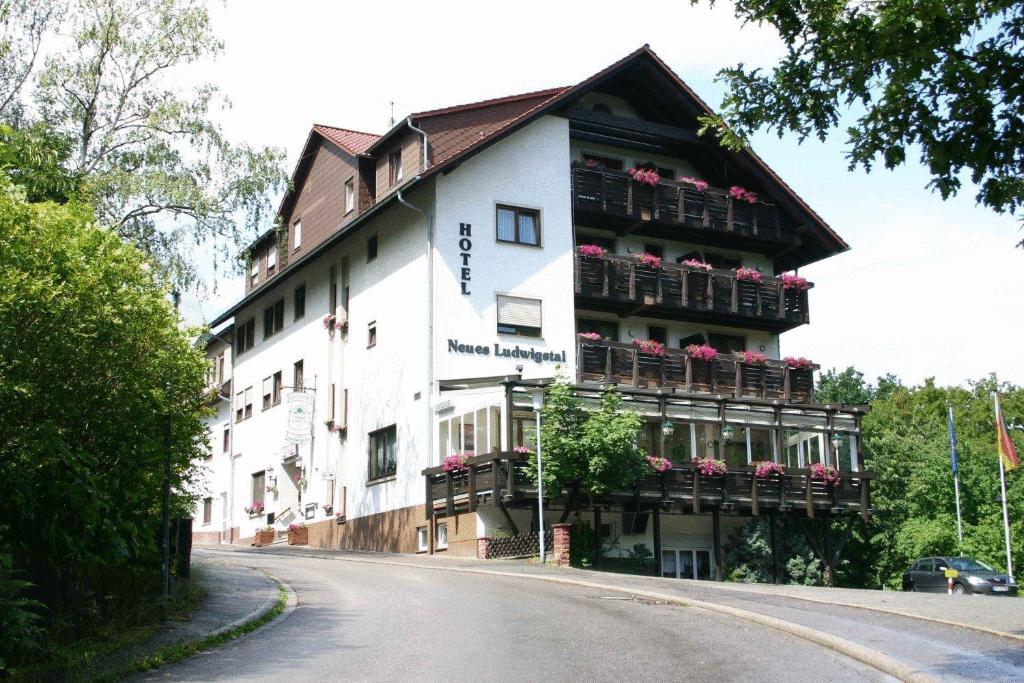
(944, 79)
(93, 365)
(748, 555)
(33, 158)
(161, 172)
(596, 451)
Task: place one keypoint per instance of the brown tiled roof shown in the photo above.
(352, 141)
(507, 99)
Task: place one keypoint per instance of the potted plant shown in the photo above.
(456, 462)
(748, 275)
(768, 469)
(649, 260)
(798, 363)
(300, 481)
(698, 184)
(645, 176)
(591, 250)
(790, 281)
(264, 536)
(658, 465)
(825, 473)
(590, 336)
(328, 509)
(298, 534)
(742, 194)
(254, 510)
(710, 467)
(522, 450)
(702, 358)
(650, 347)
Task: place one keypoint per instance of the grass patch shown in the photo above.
(175, 653)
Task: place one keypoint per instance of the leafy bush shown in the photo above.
(748, 555)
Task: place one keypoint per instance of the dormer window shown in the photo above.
(271, 260)
(350, 195)
(395, 167)
(254, 274)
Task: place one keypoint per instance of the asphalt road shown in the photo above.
(383, 623)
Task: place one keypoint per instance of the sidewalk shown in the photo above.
(233, 596)
(1001, 616)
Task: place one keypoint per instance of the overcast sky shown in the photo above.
(929, 288)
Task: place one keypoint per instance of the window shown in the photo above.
(722, 262)
(254, 273)
(220, 368)
(297, 235)
(350, 195)
(519, 316)
(727, 343)
(521, 226)
(239, 406)
(300, 302)
(207, 510)
(478, 430)
(245, 336)
(595, 161)
(332, 299)
(371, 248)
(697, 339)
(607, 243)
(657, 333)
(258, 486)
(248, 402)
(383, 461)
(442, 536)
(297, 379)
(655, 250)
(606, 328)
(664, 172)
(422, 539)
(227, 440)
(276, 388)
(371, 334)
(271, 259)
(686, 564)
(395, 167)
(273, 319)
(272, 390)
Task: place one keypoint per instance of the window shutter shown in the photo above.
(514, 310)
(344, 409)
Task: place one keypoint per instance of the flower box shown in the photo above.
(264, 537)
(298, 534)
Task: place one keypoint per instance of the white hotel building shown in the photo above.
(446, 251)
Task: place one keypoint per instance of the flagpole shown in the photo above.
(1002, 484)
(956, 483)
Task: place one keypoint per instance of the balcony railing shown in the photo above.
(616, 194)
(671, 289)
(610, 362)
(501, 479)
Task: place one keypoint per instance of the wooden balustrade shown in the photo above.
(633, 288)
(608, 362)
(616, 195)
(794, 491)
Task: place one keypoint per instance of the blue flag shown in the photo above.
(952, 441)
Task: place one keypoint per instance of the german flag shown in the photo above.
(1007, 451)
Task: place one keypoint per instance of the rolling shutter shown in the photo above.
(517, 315)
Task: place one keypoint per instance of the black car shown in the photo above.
(929, 574)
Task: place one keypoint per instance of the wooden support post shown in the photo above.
(607, 277)
(684, 288)
(656, 521)
(809, 494)
(450, 494)
(576, 273)
(716, 540)
(738, 381)
(775, 547)
(472, 488)
(659, 289)
(734, 298)
(430, 497)
(608, 366)
(830, 578)
(597, 535)
(632, 282)
(696, 491)
(754, 506)
(636, 368)
(865, 511)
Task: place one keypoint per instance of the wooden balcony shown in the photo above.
(623, 285)
(674, 210)
(608, 362)
(501, 479)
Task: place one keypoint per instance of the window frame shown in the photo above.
(297, 235)
(273, 318)
(372, 248)
(299, 374)
(271, 260)
(371, 334)
(395, 170)
(207, 511)
(441, 540)
(513, 330)
(226, 440)
(373, 475)
(245, 336)
(261, 490)
(517, 211)
(422, 539)
(350, 195)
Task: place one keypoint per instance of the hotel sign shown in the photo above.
(500, 351)
(300, 416)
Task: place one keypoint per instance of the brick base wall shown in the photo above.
(393, 531)
(206, 537)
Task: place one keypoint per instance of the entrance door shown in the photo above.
(686, 563)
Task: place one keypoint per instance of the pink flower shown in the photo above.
(456, 461)
(709, 466)
(645, 176)
(790, 281)
(592, 163)
(703, 352)
(590, 336)
(659, 465)
(522, 450)
(698, 184)
(742, 194)
(825, 473)
(768, 468)
(695, 263)
(590, 250)
(649, 260)
(328, 321)
(650, 346)
(798, 363)
(748, 274)
(754, 358)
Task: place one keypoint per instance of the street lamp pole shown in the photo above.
(165, 517)
(538, 403)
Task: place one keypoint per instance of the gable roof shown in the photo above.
(351, 141)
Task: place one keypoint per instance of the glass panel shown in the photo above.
(506, 225)
(679, 444)
(524, 430)
(686, 564)
(469, 432)
(791, 448)
(707, 441)
(668, 563)
(812, 448)
(844, 456)
(528, 228)
(703, 565)
(761, 444)
(442, 440)
(482, 426)
(495, 428)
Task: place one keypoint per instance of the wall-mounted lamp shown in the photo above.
(667, 428)
(726, 433)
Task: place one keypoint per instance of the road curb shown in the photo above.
(873, 658)
(257, 613)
